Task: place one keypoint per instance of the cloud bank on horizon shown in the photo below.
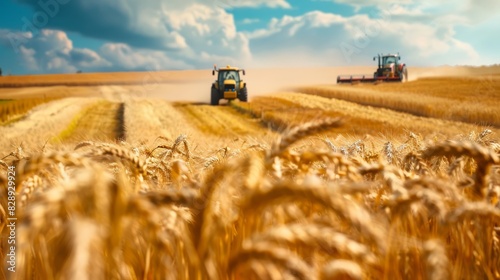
(61, 36)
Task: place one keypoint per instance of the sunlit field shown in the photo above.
(467, 99)
(387, 181)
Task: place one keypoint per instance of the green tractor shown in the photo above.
(228, 85)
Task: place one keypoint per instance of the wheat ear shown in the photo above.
(297, 133)
(484, 158)
(267, 253)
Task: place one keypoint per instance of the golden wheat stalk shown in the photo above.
(3, 203)
(18, 154)
(184, 197)
(28, 187)
(203, 206)
(131, 156)
(80, 236)
(27, 167)
(179, 172)
(472, 209)
(182, 139)
(212, 226)
(390, 174)
(268, 253)
(431, 199)
(4, 165)
(164, 147)
(446, 189)
(484, 158)
(339, 165)
(122, 153)
(84, 144)
(47, 215)
(263, 270)
(413, 162)
(151, 215)
(254, 171)
(342, 269)
(295, 134)
(351, 213)
(320, 237)
(438, 266)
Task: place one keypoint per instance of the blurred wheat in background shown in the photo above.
(364, 210)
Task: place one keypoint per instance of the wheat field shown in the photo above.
(287, 186)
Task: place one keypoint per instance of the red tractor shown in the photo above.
(389, 70)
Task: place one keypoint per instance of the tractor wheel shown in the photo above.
(214, 97)
(243, 95)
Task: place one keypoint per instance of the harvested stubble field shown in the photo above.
(90, 79)
(287, 186)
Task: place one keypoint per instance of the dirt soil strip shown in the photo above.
(104, 121)
(392, 119)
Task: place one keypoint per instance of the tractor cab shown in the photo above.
(229, 79)
(229, 75)
(390, 60)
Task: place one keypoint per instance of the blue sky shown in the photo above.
(63, 36)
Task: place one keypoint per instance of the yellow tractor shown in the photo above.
(228, 85)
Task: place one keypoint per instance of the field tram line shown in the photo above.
(120, 130)
(102, 121)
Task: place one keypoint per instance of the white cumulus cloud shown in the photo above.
(51, 51)
(326, 39)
